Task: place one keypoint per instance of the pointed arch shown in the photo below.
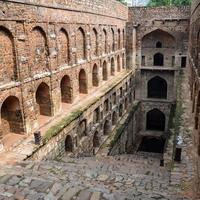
(63, 47)
(155, 120)
(39, 50)
(66, 89)
(105, 71)
(166, 39)
(157, 88)
(82, 82)
(104, 41)
(95, 76)
(94, 42)
(11, 116)
(68, 144)
(112, 66)
(80, 44)
(43, 99)
(8, 69)
(158, 59)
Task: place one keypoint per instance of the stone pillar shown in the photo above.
(131, 45)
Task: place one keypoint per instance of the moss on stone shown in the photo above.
(54, 130)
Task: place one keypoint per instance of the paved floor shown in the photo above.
(125, 177)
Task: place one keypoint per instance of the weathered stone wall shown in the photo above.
(194, 60)
(161, 49)
(92, 127)
(51, 51)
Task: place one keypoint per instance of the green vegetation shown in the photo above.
(122, 1)
(54, 130)
(169, 2)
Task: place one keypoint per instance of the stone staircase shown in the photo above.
(105, 178)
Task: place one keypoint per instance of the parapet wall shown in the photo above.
(110, 8)
(141, 14)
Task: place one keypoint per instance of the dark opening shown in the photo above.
(158, 45)
(143, 60)
(155, 120)
(151, 144)
(68, 144)
(183, 62)
(157, 88)
(66, 90)
(82, 82)
(178, 154)
(158, 59)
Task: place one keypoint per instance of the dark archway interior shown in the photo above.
(155, 120)
(158, 45)
(157, 88)
(11, 116)
(68, 144)
(151, 144)
(158, 59)
(82, 82)
(43, 99)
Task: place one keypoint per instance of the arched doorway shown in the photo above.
(82, 82)
(114, 118)
(66, 89)
(80, 44)
(96, 142)
(11, 116)
(7, 54)
(95, 79)
(157, 88)
(112, 67)
(158, 59)
(118, 64)
(94, 43)
(105, 71)
(68, 144)
(43, 99)
(39, 50)
(104, 40)
(106, 128)
(155, 120)
(63, 41)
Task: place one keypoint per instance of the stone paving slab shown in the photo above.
(87, 179)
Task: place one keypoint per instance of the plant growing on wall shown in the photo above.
(168, 2)
(122, 1)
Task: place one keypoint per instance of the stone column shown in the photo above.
(131, 46)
